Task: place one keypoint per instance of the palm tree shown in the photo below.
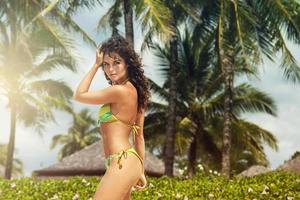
(154, 16)
(24, 58)
(17, 166)
(82, 133)
(199, 97)
(51, 16)
(30, 30)
(179, 13)
(249, 30)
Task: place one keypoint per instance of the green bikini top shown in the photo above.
(105, 115)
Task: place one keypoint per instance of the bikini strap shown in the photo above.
(135, 131)
(133, 126)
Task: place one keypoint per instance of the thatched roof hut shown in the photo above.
(291, 165)
(254, 170)
(90, 162)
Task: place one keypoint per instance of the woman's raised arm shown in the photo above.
(107, 95)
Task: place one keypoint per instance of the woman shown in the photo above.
(122, 112)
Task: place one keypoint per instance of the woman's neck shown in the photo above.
(121, 82)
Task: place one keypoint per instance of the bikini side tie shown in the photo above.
(122, 153)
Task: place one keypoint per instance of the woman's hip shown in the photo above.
(127, 157)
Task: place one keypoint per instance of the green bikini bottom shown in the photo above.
(119, 155)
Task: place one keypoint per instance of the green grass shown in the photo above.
(272, 185)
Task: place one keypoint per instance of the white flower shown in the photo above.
(178, 195)
(215, 172)
(151, 185)
(46, 193)
(54, 197)
(75, 197)
(180, 171)
(88, 183)
(266, 187)
(289, 198)
(83, 180)
(13, 185)
(185, 198)
(158, 194)
(250, 189)
(185, 167)
(211, 195)
(266, 190)
(210, 171)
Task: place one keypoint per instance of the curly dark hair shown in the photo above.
(118, 44)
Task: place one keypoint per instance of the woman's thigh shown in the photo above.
(127, 195)
(116, 182)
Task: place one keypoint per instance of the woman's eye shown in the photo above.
(105, 65)
(117, 62)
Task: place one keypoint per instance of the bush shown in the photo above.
(271, 185)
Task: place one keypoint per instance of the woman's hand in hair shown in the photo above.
(99, 58)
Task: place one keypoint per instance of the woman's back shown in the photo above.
(118, 120)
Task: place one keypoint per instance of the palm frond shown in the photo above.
(58, 139)
(111, 17)
(55, 88)
(74, 5)
(69, 24)
(62, 38)
(158, 90)
(289, 65)
(261, 134)
(156, 14)
(249, 99)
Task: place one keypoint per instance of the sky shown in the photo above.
(34, 152)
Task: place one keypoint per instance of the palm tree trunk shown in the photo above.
(171, 130)
(228, 98)
(192, 156)
(11, 143)
(128, 22)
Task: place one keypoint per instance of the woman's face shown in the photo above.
(115, 67)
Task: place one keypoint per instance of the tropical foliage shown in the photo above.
(32, 46)
(17, 169)
(200, 101)
(249, 30)
(206, 184)
(82, 133)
